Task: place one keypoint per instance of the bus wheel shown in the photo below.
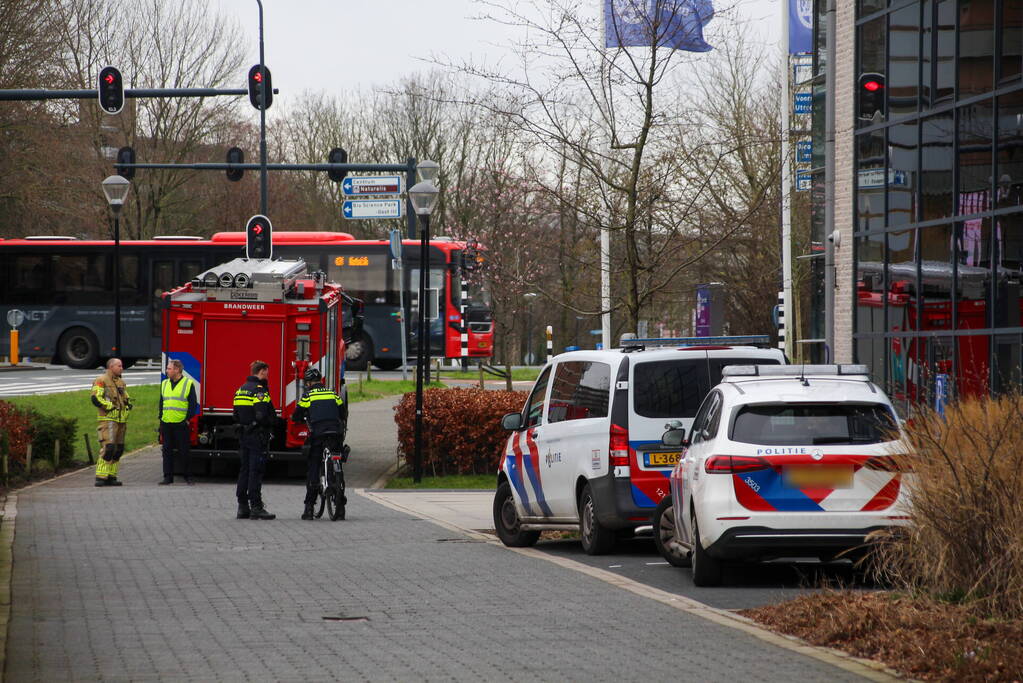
(78, 348)
(387, 363)
(128, 362)
(358, 353)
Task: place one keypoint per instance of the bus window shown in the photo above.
(189, 269)
(80, 279)
(131, 289)
(31, 280)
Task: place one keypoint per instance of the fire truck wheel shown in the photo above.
(387, 363)
(79, 348)
(358, 353)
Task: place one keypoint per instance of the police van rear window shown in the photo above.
(809, 424)
(675, 388)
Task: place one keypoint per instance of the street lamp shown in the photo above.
(115, 188)
(424, 196)
(529, 296)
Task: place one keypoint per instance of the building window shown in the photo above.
(976, 133)
(976, 43)
(936, 137)
(904, 60)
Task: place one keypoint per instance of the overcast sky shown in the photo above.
(335, 45)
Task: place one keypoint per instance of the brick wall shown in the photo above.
(845, 220)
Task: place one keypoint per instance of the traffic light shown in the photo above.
(337, 156)
(872, 95)
(111, 90)
(258, 89)
(125, 155)
(258, 237)
(235, 156)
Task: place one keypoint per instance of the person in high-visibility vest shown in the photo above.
(110, 396)
(327, 415)
(178, 402)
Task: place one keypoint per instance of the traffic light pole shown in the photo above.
(22, 95)
(263, 188)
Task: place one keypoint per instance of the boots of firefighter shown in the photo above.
(105, 464)
(243, 509)
(259, 512)
(112, 479)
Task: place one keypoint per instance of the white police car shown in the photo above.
(585, 453)
(793, 461)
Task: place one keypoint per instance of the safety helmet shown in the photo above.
(312, 375)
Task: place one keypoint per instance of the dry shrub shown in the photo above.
(15, 431)
(966, 539)
(462, 431)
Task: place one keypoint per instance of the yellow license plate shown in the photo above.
(819, 477)
(661, 459)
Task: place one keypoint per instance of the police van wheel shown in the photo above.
(706, 569)
(507, 523)
(358, 353)
(597, 539)
(664, 534)
(79, 348)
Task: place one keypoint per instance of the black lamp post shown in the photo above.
(424, 196)
(529, 297)
(115, 188)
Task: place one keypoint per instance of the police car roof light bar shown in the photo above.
(792, 370)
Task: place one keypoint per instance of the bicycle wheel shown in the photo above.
(323, 504)
(336, 500)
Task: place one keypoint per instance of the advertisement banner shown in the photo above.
(800, 26)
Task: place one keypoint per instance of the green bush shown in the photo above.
(46, 429)
(41, 468)
(462, 431)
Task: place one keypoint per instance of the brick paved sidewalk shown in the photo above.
(146, 582)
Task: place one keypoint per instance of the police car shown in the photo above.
(585, 452)
(783, 462)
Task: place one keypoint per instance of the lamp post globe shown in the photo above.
(428, 170)
(115, 189)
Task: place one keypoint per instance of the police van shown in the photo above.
(585, 452)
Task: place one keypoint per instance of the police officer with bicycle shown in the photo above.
(327, 416)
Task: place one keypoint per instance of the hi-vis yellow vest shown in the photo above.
(175, 400)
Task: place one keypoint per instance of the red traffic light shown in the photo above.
(872, 86)
(257, 77)
(257, 229)
(109, 78)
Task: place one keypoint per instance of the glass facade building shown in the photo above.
(938, 195)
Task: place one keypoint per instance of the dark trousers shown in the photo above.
(314, 463)
(253, 464)
(175, 437)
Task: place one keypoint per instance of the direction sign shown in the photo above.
(354, 186)
(15, 317)
(803, 103)
(354, 209)
(396, 244)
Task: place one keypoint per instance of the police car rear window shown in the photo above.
(811, 424)
(675, 388)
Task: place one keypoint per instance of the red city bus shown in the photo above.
(63, 289)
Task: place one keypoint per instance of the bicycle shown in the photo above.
(332, 477)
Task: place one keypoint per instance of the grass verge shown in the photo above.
(143, 422)
(482, 482)
(917, 636)
(518, 374)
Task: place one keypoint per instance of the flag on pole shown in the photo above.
(676, 24)
(800, 26)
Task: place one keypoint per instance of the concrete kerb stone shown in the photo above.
(866, 668)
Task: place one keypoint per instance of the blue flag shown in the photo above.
(800, 26)
(677, 24)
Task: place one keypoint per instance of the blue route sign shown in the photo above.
(358, 209)
(804, 152)
(354, 186)
(803, 103)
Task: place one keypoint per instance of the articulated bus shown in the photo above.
(63, 290)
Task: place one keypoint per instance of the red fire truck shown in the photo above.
(256, 309)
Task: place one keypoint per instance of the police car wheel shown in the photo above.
(706, 569)
(597, 539)
(506, 520)
(664, 534)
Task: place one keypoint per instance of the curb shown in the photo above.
(868, 669)
(6, 573)
(382, 480)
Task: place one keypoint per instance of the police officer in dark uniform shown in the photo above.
(326, 414)
(254, 412)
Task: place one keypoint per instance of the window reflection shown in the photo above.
(945, 75)
(870, 180)
(870, 283)
(976, 43)
(903, 60)
(902, 174)
(936, 134)
(1011, 22)
(902, 280)
(976, 130)
(1010, 150)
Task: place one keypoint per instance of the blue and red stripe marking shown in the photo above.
(648, 486)
(522, 465)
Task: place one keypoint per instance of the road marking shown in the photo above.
(866, 668)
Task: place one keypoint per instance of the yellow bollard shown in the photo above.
(14, 347)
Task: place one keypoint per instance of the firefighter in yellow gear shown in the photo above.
(110, 396)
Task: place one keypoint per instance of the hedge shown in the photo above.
(462, 431)
(20, 427)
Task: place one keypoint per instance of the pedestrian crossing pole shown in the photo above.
(781, 321)
(465, 322)
(550, 342)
